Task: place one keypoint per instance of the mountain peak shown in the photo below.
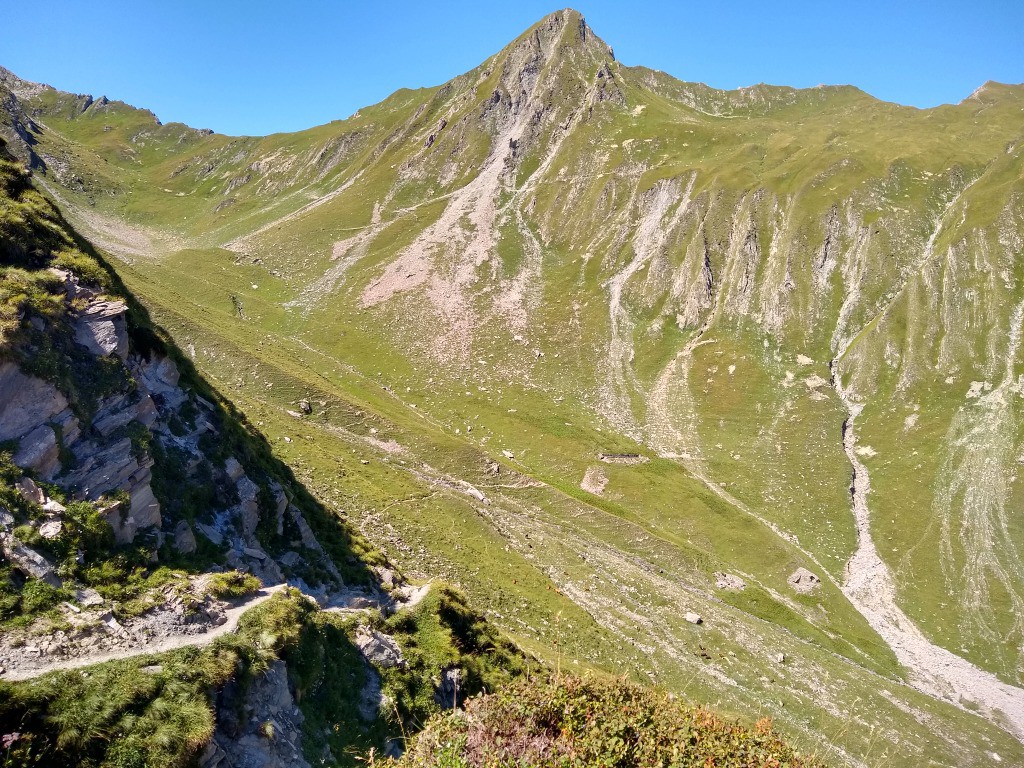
(564, 31)
(572, 23)
(555, 64)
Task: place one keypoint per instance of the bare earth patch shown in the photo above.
(594, 481)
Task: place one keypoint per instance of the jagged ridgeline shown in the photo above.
(611, 349)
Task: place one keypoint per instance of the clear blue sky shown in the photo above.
(257, 67)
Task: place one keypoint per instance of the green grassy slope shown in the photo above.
(577, 579)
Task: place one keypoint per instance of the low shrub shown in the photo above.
(566, 721)
(443, 632)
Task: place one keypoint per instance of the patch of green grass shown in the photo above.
(443, 632)
(328, 675)
(233, 585)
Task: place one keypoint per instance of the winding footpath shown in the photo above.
(149, 646)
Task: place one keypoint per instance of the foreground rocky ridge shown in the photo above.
(139, 517)
(106, 455)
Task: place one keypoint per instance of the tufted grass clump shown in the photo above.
(444, 632)
(233, 585)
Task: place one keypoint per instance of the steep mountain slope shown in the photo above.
(139, 514)
(766, 292)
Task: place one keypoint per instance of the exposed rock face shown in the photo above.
(233, 469)
(803, 581)
(446, 689)
(33, 412)
(281, 506)
(728, 581)
(103, 470)
(102, 328)
(211, 533)
(158, 377)
(184, 538)
(39, 451)
(371, 698)
(121, 410)
(248, 507)
(51, 529)
(31, 492)
(25, 402)
(28, 561)
(144, 508)
(266, 733)
(18, 129)
(378, 648)
(309, 540)
(107, 460)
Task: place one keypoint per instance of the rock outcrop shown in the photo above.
(379, 649)
(728, 581)
(28, 561)
(803, 581)
(31, 410)
(105, 452)
(258, 728)
(101, 327)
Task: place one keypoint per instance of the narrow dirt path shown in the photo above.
(144, 646)
(241, 242)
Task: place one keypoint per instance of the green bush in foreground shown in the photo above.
(566, 721)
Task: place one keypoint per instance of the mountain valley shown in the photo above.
(719, 391)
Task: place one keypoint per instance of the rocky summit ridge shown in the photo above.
(649, 349)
